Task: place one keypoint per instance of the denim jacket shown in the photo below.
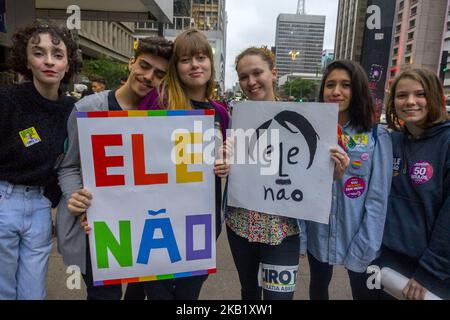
(358, 209)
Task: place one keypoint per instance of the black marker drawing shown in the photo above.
(288, 120)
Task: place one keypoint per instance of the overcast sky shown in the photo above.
(253, 23)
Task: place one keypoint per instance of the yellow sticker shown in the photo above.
(29, 137)
(361, 139)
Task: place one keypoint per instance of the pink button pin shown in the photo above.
(365, 157)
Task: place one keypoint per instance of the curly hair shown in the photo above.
(18, 58)
(157, 46)
(263, 52)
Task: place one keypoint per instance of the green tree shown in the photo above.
(106, 68)
(300, 89)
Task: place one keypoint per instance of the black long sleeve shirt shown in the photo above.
(32, 135)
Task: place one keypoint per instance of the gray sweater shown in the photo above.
(71, 238)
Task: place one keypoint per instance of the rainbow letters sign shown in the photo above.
(152, 213)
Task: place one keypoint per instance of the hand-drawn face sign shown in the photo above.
(294, 123)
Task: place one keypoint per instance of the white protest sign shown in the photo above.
(281, 162)
(152, 215)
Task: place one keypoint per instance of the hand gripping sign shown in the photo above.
(152, 213)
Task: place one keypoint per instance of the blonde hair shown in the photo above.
(189, 43)
(434, 93)
(265, 54)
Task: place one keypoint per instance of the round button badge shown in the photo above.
(354, 187)
(421, 172)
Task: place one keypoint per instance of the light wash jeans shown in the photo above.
(25, 241)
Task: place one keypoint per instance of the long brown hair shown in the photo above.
(361, 110)
(189, 43)
(434, 93)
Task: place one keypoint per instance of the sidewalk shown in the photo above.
(224, 285)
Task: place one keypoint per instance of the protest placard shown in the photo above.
(281, 161)
(153, 207)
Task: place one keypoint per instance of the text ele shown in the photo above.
(102, 162)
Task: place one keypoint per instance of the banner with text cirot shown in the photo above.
(153, 208)
(377, 45)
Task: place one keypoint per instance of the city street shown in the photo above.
(224, 285)
(334, 112)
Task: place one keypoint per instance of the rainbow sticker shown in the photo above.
(356, 164)
(156, 277)
(145, 113)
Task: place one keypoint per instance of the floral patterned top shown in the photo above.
(260, 227)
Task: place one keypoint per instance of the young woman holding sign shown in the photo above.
(258, 238)
(189, 84)
(416, 240)
(353, 236)
(33, 131)
(146, 69)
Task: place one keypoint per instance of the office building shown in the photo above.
(299, 43)
(350, 26)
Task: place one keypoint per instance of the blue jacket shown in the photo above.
(358, 209)
(418, 218)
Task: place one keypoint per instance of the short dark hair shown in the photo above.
(98, 79)
(18, 58)
(361, 109)
(434, 93)
(157, 46)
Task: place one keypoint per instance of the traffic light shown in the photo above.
(443, 66)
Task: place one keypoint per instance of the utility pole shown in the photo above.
(443, 66)
(293, 54)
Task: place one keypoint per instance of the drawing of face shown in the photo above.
(282, 155)
(287, 156)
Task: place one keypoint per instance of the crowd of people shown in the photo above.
(401, 219)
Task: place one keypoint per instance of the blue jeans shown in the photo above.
(25, 241)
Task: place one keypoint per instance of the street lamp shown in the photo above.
(293, 54)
